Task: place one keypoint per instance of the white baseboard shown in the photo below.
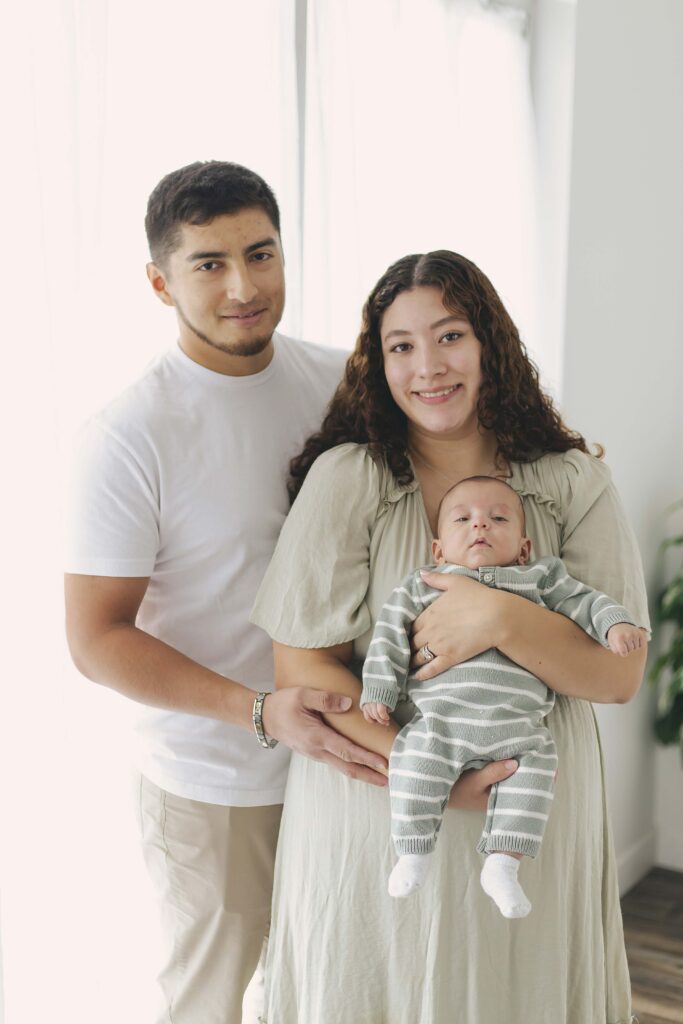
(635, 862)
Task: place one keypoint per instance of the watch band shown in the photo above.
(257, 719)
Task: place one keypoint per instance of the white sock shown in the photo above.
(408, 874)
(499, 881)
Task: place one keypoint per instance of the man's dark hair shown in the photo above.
(196, 194)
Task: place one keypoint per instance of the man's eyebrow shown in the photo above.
(222, 254)
(206, 256)
(263, 244)
(437, 323)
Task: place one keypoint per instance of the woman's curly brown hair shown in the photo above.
(511, 402)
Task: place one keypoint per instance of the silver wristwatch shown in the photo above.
(257, 719)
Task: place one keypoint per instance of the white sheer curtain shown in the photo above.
(419, 136)
(100, 100)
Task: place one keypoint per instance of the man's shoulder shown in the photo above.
(139, 404)
(310, 358)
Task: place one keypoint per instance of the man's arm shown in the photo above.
(326, 669)
(107, 647)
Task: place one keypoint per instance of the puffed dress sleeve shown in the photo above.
(314, 591)
(598, 545)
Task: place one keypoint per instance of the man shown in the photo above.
(179, 497)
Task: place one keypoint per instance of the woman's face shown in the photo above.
(432, 362)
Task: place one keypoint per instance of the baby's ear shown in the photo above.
(524, 552)
(437, 552)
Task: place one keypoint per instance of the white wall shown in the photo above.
(623, 356)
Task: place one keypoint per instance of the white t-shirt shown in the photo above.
(183, 479)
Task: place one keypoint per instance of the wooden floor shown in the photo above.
(653, 923)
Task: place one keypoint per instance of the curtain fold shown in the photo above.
(419, 136)
(99, 101)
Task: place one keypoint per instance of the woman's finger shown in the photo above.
(471, 791)
(496, 772)
(421, 626)
(420, 638)
(438, 580)
(431, 668)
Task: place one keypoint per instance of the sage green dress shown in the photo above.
(341, 950)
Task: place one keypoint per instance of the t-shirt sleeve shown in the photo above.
(314, 591)
(598, 545)
(112, 508)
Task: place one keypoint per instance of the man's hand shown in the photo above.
(458, 625)
(294, 717)
(471, 791)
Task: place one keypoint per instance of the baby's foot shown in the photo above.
(409, 874)
(499, 881)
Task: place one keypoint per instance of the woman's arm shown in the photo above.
(546, 643)
(326, 669)
(565, 657)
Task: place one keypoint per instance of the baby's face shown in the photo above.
(481, 523)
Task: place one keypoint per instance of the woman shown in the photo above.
(439, 388)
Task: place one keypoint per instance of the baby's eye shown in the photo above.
(462, 519)
(499, 519)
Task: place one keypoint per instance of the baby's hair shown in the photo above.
(480, 479)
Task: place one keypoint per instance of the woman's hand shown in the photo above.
(471, 791)
(458, 625)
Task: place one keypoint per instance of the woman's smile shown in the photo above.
(432, 362)
(437, 397)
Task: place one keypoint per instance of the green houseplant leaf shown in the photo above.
(668, 727)
(671, 602)
(668, 668)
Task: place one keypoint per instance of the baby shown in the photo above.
(484, 709)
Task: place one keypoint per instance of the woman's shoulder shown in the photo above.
(561, 479)
(352, 467)
(348, 462)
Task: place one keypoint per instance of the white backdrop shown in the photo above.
(417, 134)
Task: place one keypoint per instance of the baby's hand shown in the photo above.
(624, 638)
(376, 712)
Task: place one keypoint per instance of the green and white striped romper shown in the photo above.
(485, 709)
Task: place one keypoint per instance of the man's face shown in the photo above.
(481, 524)
(226, 282)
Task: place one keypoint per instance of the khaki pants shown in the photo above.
(213, 870)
